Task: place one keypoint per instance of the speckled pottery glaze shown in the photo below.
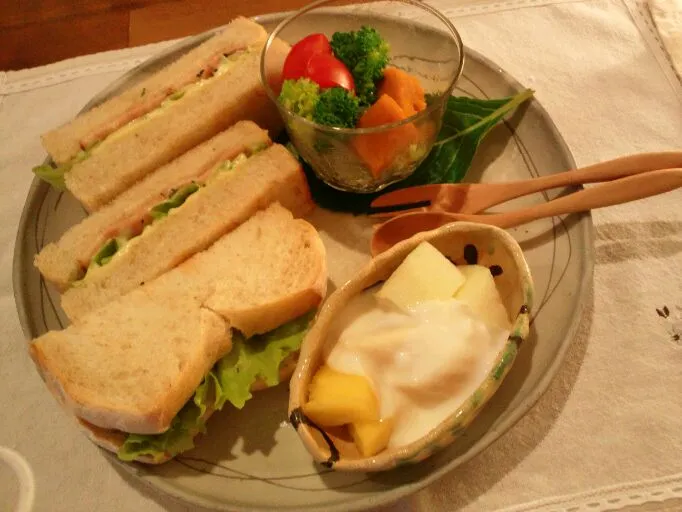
(463, 243)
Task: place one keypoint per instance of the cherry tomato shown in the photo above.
(328, 71)
(299, 55)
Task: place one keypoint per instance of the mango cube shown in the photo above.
(424, 275)
(339, 398)
(371, 437)
(480, 293)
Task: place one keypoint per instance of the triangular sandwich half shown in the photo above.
(145, 371)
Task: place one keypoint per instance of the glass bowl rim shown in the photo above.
(374, 129)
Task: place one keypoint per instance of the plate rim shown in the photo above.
(39, 189)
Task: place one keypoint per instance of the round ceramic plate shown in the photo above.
(252, 459)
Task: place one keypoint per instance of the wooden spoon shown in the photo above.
(477, 197)
(615, 192)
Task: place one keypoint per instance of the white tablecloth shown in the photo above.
(608, 433)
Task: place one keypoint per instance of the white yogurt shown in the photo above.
(423, 364)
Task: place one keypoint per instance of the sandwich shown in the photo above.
(143, 373)
(172, 214)
(95, 238)
(104, 151)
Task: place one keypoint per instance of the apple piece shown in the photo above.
(424, 275)
(339, 398)
(371, 437)
(480, 293)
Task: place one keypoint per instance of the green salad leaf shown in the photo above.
(103, 256)
(466, 122)
(114, 245)
(54, 175)
(258, 357)
(230, 380)
(177, 439)
(108, 250)
(177, 199)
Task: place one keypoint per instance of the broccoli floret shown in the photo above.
(337, 107)
(365, 54)
(300, 96)
(332, 107)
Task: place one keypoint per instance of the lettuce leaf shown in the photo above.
(54, 175)
(206, 392)
(176, 200)
(177, 439)
(257, 357)
(112, 246)
(108, 251)
(230, 380)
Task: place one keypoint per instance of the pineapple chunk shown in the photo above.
(481, 294)
(424, 275)
(371, 437)
(340, 398)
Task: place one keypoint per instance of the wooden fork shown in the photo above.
(478, 197)
(619, 191)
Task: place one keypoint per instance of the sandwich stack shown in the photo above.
(104, 151)
(192, 282)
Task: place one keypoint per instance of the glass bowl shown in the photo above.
(340, 156)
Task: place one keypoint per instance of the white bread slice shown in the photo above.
(64, 261)
(64, 142)
(278, 290)
(274, 262)
(225, 99)
(269, 176)
(130, 367)
(257, 313)
(132, 364)
(112, 440)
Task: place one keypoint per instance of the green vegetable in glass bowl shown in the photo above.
(332, 107)
(300, 96)
(366, 55)
(337, 107)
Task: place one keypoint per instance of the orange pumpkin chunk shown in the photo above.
(405, 89)
(379, 150)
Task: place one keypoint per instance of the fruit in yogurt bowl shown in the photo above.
(432, 351)
(340, 399)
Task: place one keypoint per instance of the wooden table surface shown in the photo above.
(36, 32)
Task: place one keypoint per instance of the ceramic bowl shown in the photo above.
(463, 243)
